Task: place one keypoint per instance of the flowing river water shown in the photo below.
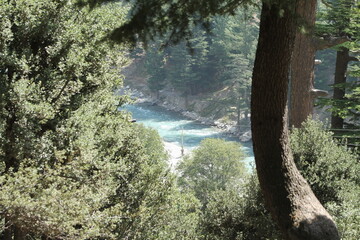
(179, 132)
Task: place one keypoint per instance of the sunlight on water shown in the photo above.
(176, 130)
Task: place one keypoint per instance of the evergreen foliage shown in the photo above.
(238, 215)
(223, 57)
(347, 108)
(329, 167)
(233, 206)
(219, 61)
(151, 19)
(71, 165)
(154, 65)
(215, 165)
(238, 40)
(332, 171)
(338, 18)
(341, 19)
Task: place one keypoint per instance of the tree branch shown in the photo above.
(324, 43)
(318, 93)
(353, 59)
(318, 61)
(61, 91)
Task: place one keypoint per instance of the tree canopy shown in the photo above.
(168, 18)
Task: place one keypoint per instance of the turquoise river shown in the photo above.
(177, 131)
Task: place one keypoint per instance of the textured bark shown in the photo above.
(288, 196)
(302, 65)
(342, 60)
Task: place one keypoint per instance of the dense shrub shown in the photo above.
(215, 165)
(333, 173)
(237, 215)
(232, 203)
(329, 167)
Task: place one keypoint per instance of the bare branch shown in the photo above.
(61, 91)
(318, 93)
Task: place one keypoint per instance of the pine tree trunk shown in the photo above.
(342, 59)
(302, 66)
(238, 111)
(238, 117)
(288, 196)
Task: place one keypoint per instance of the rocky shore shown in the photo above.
(173, 102)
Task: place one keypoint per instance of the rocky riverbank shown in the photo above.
(172, 101)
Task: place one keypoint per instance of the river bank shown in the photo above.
(174, 102)
(180, 134)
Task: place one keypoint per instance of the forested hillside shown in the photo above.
(213, 67)
(210, 73)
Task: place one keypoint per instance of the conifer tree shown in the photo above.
(71, 165)
(341, 20)
(155, 64)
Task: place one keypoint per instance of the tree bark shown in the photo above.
(342, 60)
(302, 65)
(288, 196)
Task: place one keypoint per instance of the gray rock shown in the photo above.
(246, 136)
